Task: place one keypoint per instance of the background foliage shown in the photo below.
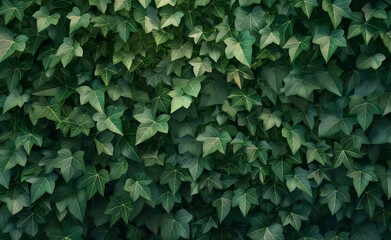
(205, 119)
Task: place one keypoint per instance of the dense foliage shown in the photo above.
(195, 119)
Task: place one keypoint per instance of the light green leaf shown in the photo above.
(78, 20)
(296, 44)
(200, 66)
(111, 120)
(95, 96)
(299, 180)
(240, 47)
(45, 19)
(329, 42)
(150, 125)
(147, 18)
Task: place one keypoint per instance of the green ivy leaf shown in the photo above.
(213, 140)
(245, 199)
(240, 47)
(45, 19)
(336, 10)
(69, 162)
(94, 181)
(176, 226)
(111, 120)
(139, 186)
(361, 177)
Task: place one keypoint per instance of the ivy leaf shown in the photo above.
(74, 200)
(111, 120)
(329, 42)
(125, 27)
(45, 19)
(344, 154)
(168, 200)
(104, 143)
(69, 162)
(10, 156)
(200, 66)
(296, 44)
(364, 109)
(41, 185)
(213, 140)
(100, 4)
(173, 177)
(317, 152)
(5, 177)
(359, 25)
(11, 9)
(15, 98)
(119, 208)
(334, 197)
(361, 177)
(248, 100)
(294, 136)
(294, 217)
(385, 179)
(105, 72)
(223, 205)
(169, 17)
(271, 119)
(365, 61)
(162, 3)
(9, 44)
(331, 124)
(150, 125)
(16, 200)
(122, 4)
(147, 18)
(176, 226)
(306, 6)
(94, 181)
(95, 96)
(244, 199)
(27, 139)
(240, 47)
(78, 20)
(261, 230)
(336, 10)
(68, 49)
(179, 50)
(299, 180)
(248, 19)
(139, 186)
(268, 37)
